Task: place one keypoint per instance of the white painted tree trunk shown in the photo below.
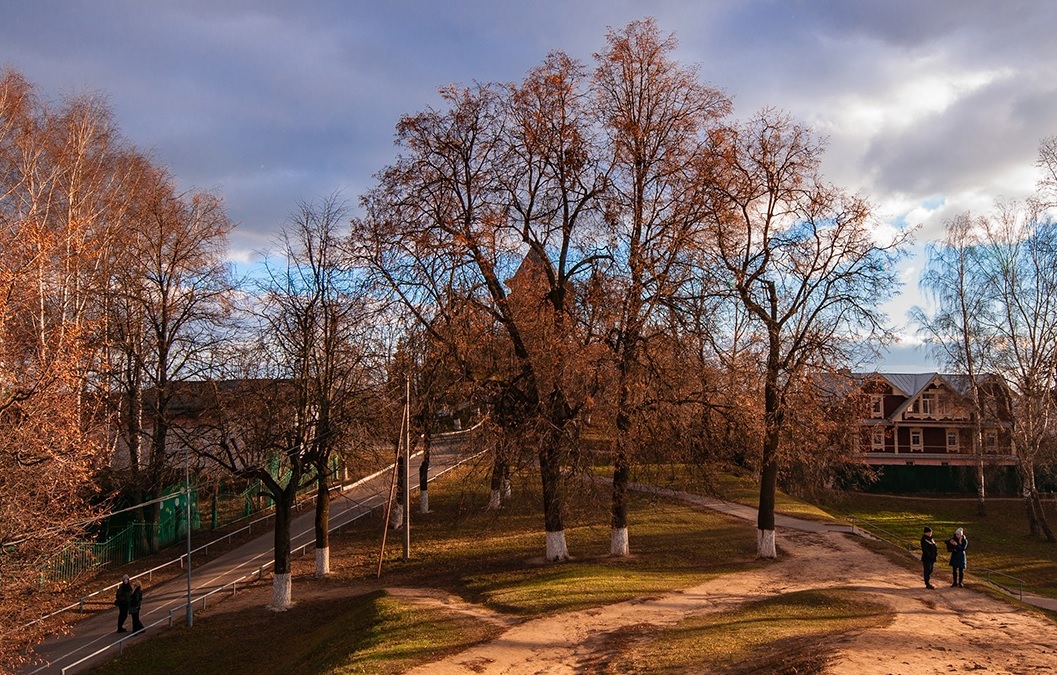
(506, 488)
(494, 502)
(396, 517)
(618, 542)
(281, 591)
(556, 548)
(322, 562)
(766, 546)
(423, 501)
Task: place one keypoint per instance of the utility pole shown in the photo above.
(407, 467)
(187, 498)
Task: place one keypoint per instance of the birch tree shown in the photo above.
(957, 330)
(1020, 280)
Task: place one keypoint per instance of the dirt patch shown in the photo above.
(934, 631)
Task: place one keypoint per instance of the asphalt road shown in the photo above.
(94, 640)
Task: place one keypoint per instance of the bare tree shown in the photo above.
(315, 317)
(656, 115)
(173, 300)
(803, 258)
(255, 433)
(1020, 283)
(957, 330)
(496, 185)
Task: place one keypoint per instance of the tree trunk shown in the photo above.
(766, 546)
(396, 516)
(322, 524)
(281, 585)
(618, 538)
(496, 482)
(423, 480)
(550, 476)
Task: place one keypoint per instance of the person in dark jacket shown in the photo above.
(957, 545)
(123, 599)
(135, 603)
(928, 555)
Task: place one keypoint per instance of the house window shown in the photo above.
(915, 440)
(952, 440)
(876, 406)
(877, 439)
(990, 441)
(928, 404)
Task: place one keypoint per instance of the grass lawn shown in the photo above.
(999, 541)
(798, 636)
(486, 557)
(347, 623)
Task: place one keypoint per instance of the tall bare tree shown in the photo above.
(488, 199)
(656, 115)
(957, 330)
(803, 258)
(315, 317)
(1020, 282)
(173, 300)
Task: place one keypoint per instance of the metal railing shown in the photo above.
(1015, 587)
(258, 573)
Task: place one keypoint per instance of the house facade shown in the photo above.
(927, 419)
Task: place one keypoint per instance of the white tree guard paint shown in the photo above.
(506, 488)
(494, 502)
(396, 517)
(766, 546)
(322, 562)
(618, 542)
(556, 548)
(281, 591)
(423, 501)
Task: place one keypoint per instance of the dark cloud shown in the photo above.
(273, 101)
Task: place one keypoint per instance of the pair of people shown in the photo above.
(956, 546)
(129, 600)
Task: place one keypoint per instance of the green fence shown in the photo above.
(128, 539)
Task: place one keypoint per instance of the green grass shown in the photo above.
(791, 633)
(485, 557)
(999, 541)
(495, 559)
(375, 634)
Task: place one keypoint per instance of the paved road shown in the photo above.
(94, 639)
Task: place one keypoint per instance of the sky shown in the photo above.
(929, 109)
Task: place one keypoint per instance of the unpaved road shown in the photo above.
(946, 630)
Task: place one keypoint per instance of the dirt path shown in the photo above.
(935, 631)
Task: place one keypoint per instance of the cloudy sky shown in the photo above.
(930, 108)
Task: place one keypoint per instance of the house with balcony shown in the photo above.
(927, 421)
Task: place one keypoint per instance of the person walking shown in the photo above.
(123, 600)
(928, 555)
(957, 545)
(134, 605)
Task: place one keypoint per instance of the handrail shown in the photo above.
(303, 548)
(298, 505)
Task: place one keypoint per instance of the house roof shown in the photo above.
(911, 384)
